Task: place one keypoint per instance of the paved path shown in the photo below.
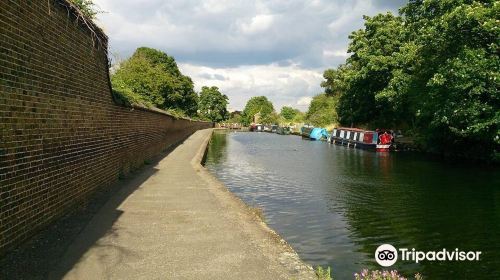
(179, 223)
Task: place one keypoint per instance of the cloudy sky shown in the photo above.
(276, 48)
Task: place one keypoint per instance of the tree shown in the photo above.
(322, 111)
(288, 113)
(300, 117)
(235, 117)
(271, 118)
(154, 76)
(455, 80)
(259, 104)
(213, 104)
(434, 69)
(367, 72)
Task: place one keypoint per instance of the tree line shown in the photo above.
(432, 70)
(321, 112)
(151, 78)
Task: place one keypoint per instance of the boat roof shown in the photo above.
(353, 129)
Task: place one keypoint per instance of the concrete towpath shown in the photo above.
(179, 223)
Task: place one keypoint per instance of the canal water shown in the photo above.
(336, 205)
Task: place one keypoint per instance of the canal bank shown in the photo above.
(179, 223)
(335, 205)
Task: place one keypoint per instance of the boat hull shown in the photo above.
(383, 148)
(354, 144)
(362, 139)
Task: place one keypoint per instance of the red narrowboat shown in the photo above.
(379, 140)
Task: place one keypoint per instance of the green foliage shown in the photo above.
(124, 96)
(213, 104)
(178, 113)
(87, 8)
(289, 113)
(322, 110)
(300, 117)
(152, 77)
(323, 274)
(236, 118)
(433, 70)
(271, 118)
(262, 105)
(367, 71)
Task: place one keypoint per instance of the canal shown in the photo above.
(336, 205)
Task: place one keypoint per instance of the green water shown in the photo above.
(336, 205)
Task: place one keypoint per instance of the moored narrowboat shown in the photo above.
(283, 130)
(305, 131)
(257, 127)
(380, 141)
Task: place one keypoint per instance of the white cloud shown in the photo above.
(283, 85)
(335, 53)
(238, 32)
(258, 23)
(276, 48)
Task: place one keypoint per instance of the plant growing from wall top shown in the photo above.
(87, 8)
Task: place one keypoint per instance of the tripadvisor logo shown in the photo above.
(386, 255)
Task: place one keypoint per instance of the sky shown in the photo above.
(275, 48)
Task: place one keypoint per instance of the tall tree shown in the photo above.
(259, 104)
(289, 113)
(434, 70)
(213, 104)
(322, 111)
(155, 77)
(455, 79)
(368, 71)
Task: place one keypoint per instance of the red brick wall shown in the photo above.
(61, 134)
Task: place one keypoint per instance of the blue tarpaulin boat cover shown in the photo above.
(318, 133)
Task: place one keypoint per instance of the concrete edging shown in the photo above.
(288, 257)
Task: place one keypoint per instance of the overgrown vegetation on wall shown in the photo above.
(151, 78)
(62, 136)
(87, 8)
(433, 70)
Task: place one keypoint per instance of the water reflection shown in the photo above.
(218, 145)
(336, 205)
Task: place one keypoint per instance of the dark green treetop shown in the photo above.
(289, 113)
(322, 111)
(259, 104)
(432, 70)
(154, 76)
(212, 104)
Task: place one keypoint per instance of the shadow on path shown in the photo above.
(41, 257)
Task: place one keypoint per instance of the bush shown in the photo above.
(381, 275)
